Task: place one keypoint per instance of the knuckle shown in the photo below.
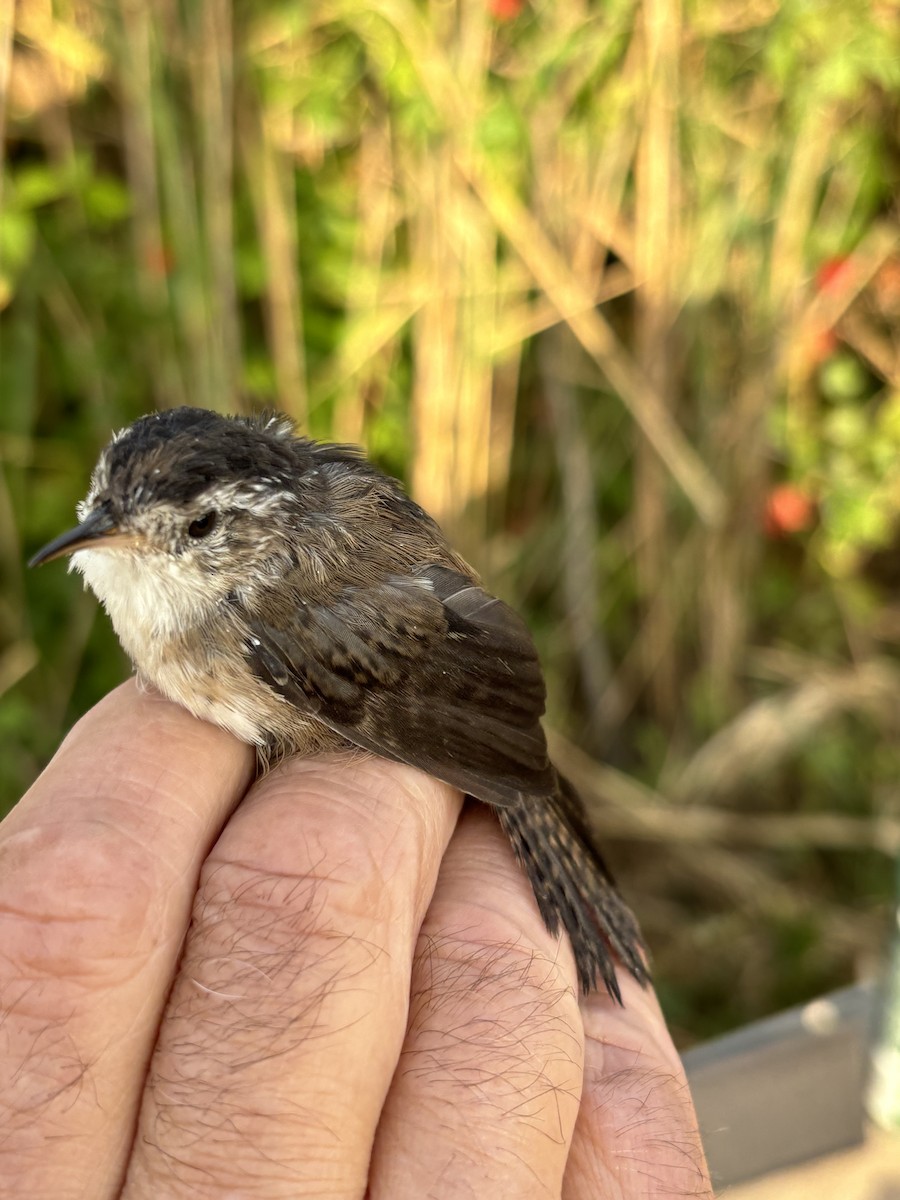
(525, 989)
(245, 912)
(78, 901)
(639, 1112)
(495, 1023)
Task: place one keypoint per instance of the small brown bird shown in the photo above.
(292, 593)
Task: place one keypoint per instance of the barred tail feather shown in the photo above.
(574, 887)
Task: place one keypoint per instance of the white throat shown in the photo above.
(147, 596)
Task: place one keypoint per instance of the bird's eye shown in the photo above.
(202, 526)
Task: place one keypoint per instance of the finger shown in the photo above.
(98, 866)
(637, 1131)
(284, 1027)
(486, 1094)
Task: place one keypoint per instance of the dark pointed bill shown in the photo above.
(99, 526)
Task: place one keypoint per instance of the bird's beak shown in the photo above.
(98, 530)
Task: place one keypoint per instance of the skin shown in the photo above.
(330, 983)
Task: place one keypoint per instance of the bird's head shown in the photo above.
(189, 505)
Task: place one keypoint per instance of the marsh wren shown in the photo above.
(292, 593)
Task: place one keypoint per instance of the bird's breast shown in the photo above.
(209, 676)
(189, 644)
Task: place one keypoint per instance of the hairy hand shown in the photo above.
(339, 988)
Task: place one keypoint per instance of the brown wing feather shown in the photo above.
(427, 669)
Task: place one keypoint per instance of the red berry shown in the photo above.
(789, 509)
(505, 10)
(834, 275)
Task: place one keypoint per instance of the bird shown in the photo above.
(293, 593)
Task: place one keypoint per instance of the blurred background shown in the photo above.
(614, 287)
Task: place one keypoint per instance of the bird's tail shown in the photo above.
(574, 887)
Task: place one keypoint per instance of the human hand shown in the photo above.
(338, 988)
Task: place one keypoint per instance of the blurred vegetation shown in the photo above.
(614, 287)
